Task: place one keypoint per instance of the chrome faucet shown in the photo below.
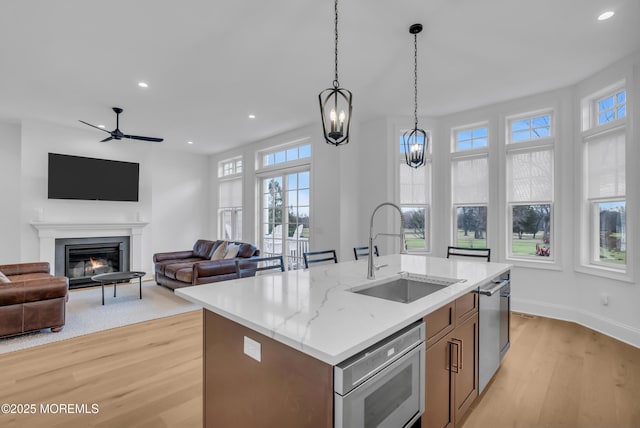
(403, 245)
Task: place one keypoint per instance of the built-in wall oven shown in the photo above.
(384, 385)
(495, 306)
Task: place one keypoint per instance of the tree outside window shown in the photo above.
(531, 230)
(611, 217)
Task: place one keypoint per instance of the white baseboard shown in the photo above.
(615, 329)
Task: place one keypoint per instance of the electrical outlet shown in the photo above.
(252, 349)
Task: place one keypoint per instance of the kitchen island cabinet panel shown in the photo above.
(441, 322)
(452, 366)
(466, 379)
(466, 306)
(287, 388)
(438, 392)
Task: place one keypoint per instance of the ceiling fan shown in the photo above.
(116, 134)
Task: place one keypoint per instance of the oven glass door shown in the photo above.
(392, 398)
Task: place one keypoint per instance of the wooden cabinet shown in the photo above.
(451, 363)
(466, 377)
(286, 388)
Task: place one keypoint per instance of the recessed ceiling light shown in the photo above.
(606, 15)
(143, 84)
(189, 142)
(101, 126)
(252, 116)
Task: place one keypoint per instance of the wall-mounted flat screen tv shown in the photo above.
(76, 177)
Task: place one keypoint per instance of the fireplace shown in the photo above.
(81, 258)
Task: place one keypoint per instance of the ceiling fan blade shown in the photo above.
(106, 139)
(97, 127)
(138, 137)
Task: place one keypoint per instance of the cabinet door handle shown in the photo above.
(454, 367)
(460, 356)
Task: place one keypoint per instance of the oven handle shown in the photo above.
(399, 356)
(494, 290)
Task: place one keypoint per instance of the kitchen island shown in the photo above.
(309, 321)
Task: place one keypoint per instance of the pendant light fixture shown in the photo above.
(335, 105)
(415, 141)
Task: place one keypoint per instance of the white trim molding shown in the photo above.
(49, 231)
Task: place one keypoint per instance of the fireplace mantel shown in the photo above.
(49, 231)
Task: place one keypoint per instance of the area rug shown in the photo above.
(85, 313)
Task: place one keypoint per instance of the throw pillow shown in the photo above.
(232, 251)
(219, 253)
(3, 278)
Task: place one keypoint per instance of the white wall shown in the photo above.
(173, 190)
(180, 200)
(9, 193)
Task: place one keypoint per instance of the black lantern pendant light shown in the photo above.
(335, 105)
(415, 141)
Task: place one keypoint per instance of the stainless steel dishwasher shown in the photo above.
(495, 305)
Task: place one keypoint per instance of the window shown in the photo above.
(230, 167)
(277, 156)
(530, 128)
(606, 198)
(470, 197)
(285, 202)
(611, 245)
(415, 201)
(470, 139)
(612, 107)
(230, 199)
(230, 209)
(530, 187)
(470, 185)
(604, 227)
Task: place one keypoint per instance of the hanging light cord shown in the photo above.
(415, 80)
(335, 82)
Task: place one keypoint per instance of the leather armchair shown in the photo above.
(32, 300)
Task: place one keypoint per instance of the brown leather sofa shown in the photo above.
(32, 300)
(193, 267)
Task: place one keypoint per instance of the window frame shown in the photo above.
(529, 146)
(261, 155)
(596, 107)
(456, 155)
(230, 168)
(590, 245)
(400, 161)
(594, 236)
(270, 171)
(471, 127)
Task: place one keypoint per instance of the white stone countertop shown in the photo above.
(312, 310)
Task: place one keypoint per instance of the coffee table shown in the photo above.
(116, 277)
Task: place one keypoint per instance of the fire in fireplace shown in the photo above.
(88, 260)
(81, 258)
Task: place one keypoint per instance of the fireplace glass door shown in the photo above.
(84, 261)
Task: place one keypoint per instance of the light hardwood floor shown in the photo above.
(556, 374)
(143, 375)
(560, 374)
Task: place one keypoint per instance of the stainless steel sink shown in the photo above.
(405, 289)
